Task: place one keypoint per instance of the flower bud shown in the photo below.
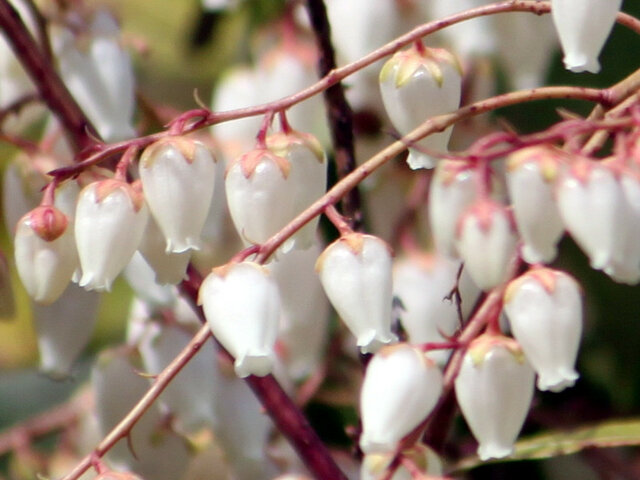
(178, 176)
(242, 306)
(487, 243)
(355, 272)
(417, 84)
(110, 220)
(583, 27)
(494, 389)
(453, 189)
(545, 313)
(531, 179)
(400, 388)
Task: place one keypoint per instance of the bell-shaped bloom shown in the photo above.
(400, 388)
(45, 253)
(178, 176)
(110, 220)
(418, 84)
(453, 189)
(494, 389)
(422, 283)
(242, 306)
(170, 268)
(545, 313)
(424, 458)
(304, 324)
(142, 280)
(487, 242)
(355, 272)
(191, 395)
(470, 38)
(625, 267)
(308, 173)
(583, 27)
(267, 187)
(592, 205)
(531, 177)
(64, 328)
(516, 32)
(99, 75)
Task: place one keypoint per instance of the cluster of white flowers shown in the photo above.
(154, 216)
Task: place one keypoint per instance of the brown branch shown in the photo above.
(48, 82)
(339, 111)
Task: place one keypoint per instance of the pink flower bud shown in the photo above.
(583, 27)
(45, 253)
(487, 243)
(400, 388)
(355, 272)
(531, 177)
(178, 176)
(242, 305)
(417, 84)
(545, 313)
(494, 389)
(110, 220)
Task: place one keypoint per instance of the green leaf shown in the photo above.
(612, 433)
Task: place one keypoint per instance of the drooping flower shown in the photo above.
(45, 253)
(400, 388)
(545, 313)
(453, 189)
(418, 84)
(583, 27)
(178, 176)
(531, 177)
(355, 272)
(487, 243)
(242, 306)
(110, 220)
(494, 389)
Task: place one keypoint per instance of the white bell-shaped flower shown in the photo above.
(178, 176)
(355, 272)
(545, 314)
(110, 220)
(417, 84)
(242, 305)
(469, 38)
(99, 75)
(304, 324)
(583, 27)
(308, 173)
(531, 177)
(592, 205)
(422, 283)
(170, 268)
(487, 242)
(515, 32)
(45, 253)
(625, 267)
(259, 194)
(494, 389)
(191, 394)
(424, 458)
(142, 279)
(64, 328)
(453, 189)
(400, 388)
